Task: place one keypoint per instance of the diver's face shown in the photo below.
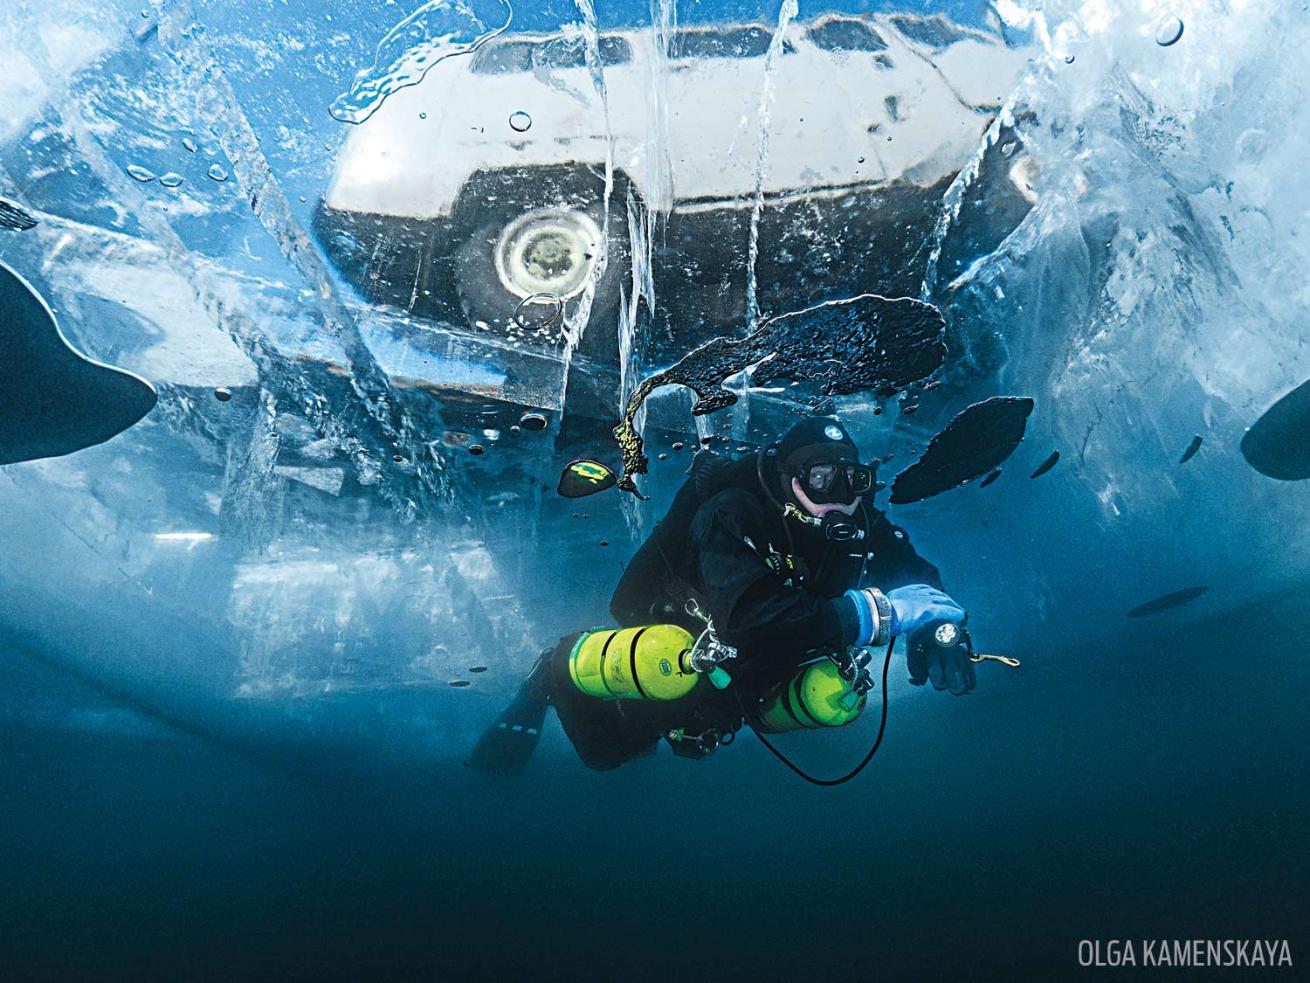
(823, 486)
(820, 509)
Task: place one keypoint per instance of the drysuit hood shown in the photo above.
(816, 440)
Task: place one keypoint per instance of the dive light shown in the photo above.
(948, 634)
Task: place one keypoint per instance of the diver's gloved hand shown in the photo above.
(918, 604)
(946, 668)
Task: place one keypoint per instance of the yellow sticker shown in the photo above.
(591, 471)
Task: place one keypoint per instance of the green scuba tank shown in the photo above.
(817, 696)
(648, 663)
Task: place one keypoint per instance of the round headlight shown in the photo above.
(548, 252)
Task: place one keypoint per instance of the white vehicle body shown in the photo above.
(848, 106)
(837, 118)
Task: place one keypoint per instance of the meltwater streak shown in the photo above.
(786, 12)
(596, 72)
(647, 215)
(576, 323)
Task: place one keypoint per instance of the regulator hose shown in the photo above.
(829, 782)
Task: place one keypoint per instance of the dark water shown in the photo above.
(1137, 790)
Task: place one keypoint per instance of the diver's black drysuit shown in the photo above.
(771, 586)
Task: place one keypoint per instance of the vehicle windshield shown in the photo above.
(743, 42)
(936, 32)
(841, 34)
(499, 57)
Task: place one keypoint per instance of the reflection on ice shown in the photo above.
(802, 141)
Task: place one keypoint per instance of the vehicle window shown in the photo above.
(936, 32)
(561, 53)
(614, 51)
(503, 56)
(522, 56)
(846, 35)
(741, 42)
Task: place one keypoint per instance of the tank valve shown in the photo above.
(854, 668)
(708, 654)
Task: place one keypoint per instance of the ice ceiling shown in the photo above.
(390, 266)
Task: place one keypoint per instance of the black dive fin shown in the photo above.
(53, 399)
(506, 746)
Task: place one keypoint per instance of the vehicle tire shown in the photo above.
(539, 235)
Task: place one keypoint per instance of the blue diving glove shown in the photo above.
(918, 604)
(904, 611)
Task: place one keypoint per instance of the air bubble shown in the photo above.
(171, 180)
(1068, 59)
(422, 115)
(189, 144)
(520, 122)
(1008, 149)
(216, 172)
(222, 394)
(533, 421)
(1168, 31)
(1252, 145)
(554, 317)
(140, 173)
(677, 445)
(476, 449)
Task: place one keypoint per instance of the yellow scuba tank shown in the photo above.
(816, 696)
(648, 663)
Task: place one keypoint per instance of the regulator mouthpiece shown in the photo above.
(841, 528)
(837, 527)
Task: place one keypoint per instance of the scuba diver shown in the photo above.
(766, 572)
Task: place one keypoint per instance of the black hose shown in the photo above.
(882, 726)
